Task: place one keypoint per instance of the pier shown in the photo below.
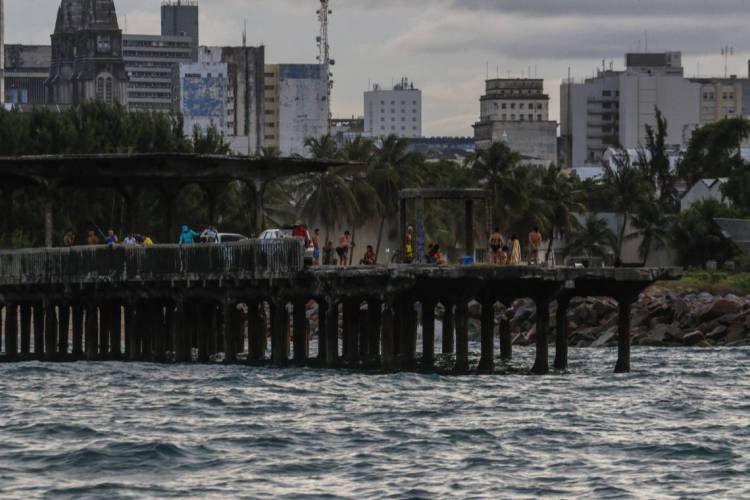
(224, 303)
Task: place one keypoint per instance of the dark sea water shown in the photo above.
(677, 427)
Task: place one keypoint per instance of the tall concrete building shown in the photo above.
(296, 106)
(87, 62)
(2, 52)
(394, 112)
(150, 61)
(613, 108)
(516, 112)
(245, 105)
(26, 72)
(180, 18)
(201, 95)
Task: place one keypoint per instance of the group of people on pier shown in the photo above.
(505, 252)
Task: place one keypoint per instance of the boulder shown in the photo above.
(694, 338)
(721, 307)
(717, 333)
(735, 333)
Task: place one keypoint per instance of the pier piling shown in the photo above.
(487, 360)
(462, 337)
(541, 362)
(561, 338)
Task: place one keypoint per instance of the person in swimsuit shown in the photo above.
(496, 244)
(515, 252)
(345, 243)
(535, 243)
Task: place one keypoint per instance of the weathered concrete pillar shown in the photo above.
(301, 333)
(50, 332)
(230, 330)
(332, 333)
(78, 331)
(487, 360)
(351, 331)
(63, 332)
(364, 333)
(462, 337)
(428, 334)
(506, 341)
(92, 332)
(322, 313)
(181, 334)
(104, 323)
(132, 349)
(561, 339)
(541, 362)
(203, 324)
(448, 328)
(25, 312)
(115, 330)
(11, 331)
(163, 344)
(279, 333)
(388, 355)
(38, 331)
(256, 331)
(410, 335)
(374, 316)
(623, 339)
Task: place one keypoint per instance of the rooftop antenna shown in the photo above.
(324, 48)
(726, 51)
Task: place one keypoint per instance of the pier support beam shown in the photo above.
(11, 331)
(462, 337)
(279, 333)
(487, 361)
(561, 340)
(388, 355)
(623, 339)
(506, 341)
(50, 332)
(63, 329)
(351, 331)
(374, 317)
(92, 332)
(301, 342)
(256, 336)
(448, 328)
(428, 334)
(541, 363)
(25, 312)
(38, 314)
(230, 326)
(331, 333)
(181, 336)
(132, 350)
(77, 347)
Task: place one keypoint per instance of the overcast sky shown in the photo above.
(445, 46)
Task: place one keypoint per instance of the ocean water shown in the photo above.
(677, 427)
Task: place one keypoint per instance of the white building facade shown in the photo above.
(394, 112)
(201, 95)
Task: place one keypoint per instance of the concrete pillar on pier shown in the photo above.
(229, 330)
(25, 312)
(256, 331)
(180, 334)
(448, 328)
(203, 316)
(351, 331)
(104, 331)
(462, 337)
(541, 362)
(63, 329)
(331, 333)
(388, 354)
(132, 349)
(78, 327)
(623, 339)
(279, 333)
(160, 332)
(38, 314)
(374, 319)
(92, 332)
(428, 334)
(301, 333)
(487, 361)
(364, 334)
(114, 315)
(50, 332)
(506, 342)
(322, 313)
(561, 338)
(408, 332)
(11, 331)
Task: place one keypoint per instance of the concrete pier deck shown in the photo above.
(166, 303)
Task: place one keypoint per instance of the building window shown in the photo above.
(505, 117)
(512, 117)
(513, 105)
(538, 106)
(531, 118)
(505, 106)
(414, 103)
(382, 103)
(606, 93)
(538, 118)
(103, 43)
(520, 117)
(382, 119)
(382, 111)
(496, 106)
(520, 106)
(607, 105)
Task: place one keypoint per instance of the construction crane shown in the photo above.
(324, 56)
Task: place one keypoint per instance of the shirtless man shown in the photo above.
(345, 243)
(535, 242)
(496, 244)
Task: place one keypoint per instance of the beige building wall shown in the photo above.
(271, 112)
(720, 100)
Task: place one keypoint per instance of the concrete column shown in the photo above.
(256, 331)
(374, 317)
(11, 331)
(38, 314)
(623, 339)
(25, 312)
(428, 334)
(279, 333)
(63, 328)
(181, 334)
(561, 340)
(50, 332)
(388, 355)
(131, 332)
(229, 327)
(301, 333)
(487, 361)
(541, 363)
(448, 328)
(332, 333)
(78, 331)
(462, 337)
(92, 332)
(203, 323)
(351, 331)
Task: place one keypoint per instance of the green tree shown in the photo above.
(593, 239)
(652, 226)
(714, 150)
(563, 201)
(654, 160)
(696, 236)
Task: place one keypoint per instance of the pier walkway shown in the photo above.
(165, 303)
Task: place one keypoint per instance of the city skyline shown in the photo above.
(445, 46)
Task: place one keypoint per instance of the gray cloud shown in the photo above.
(627, 8)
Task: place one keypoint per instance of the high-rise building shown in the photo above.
(296, 106)
(150, 61)
(180, 18)
(201, 95)
(394, 112)
(614, 108)
(26, 72)
(245, 73)
(516, 111)
(87, 61)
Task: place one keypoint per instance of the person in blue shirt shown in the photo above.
(187, 236)
(111, 239)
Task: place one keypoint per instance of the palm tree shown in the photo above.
(322, 148)
(562, 201)
(652, 226)
(592, 239)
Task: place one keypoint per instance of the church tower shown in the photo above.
(87, 61)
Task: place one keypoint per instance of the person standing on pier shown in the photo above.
(111, 239)
(345, 243)
(328, 254)
(369, 257)
(316, 246)
(92, 239)
(515, 251)
(535, 243)
(69, 239)
(496, 244)
(187, 236)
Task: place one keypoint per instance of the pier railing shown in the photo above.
(255, 259)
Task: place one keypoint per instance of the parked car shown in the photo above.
(229, 238)
(292, 232)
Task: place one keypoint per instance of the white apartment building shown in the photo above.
(394, 112)
(516, 112)
(201, 91)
